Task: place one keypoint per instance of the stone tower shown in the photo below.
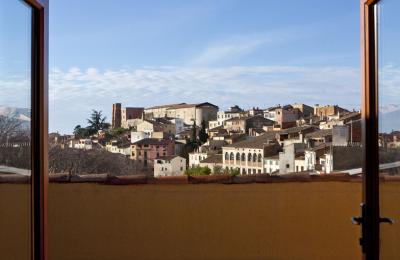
(116, 115)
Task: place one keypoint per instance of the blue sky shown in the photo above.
(134, 34)
(228, 52)
(250, 53)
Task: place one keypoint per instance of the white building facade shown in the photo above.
(247, 160)
(271, 165)
(169, 166)
(187, 112)
(83, 144)
(195, 158)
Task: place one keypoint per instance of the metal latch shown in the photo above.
(360, 221)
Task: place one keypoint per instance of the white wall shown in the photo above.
(271, 165)
(137, 136)
(174, 167)
(195, 158)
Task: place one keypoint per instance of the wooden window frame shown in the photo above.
(370, 234)
(39, 126)
(39, 180)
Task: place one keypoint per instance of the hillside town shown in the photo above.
(201, 139)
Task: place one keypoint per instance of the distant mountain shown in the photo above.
(21, 114)
(389, 108)
(389, 121)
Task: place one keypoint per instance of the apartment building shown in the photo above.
(306, 111)
(157, 125)
(255, 111)
(248, 155)
(196, 157)
(295, 134)
(131, 123)
(213, 162)
(286, 117)
(270, 113)
(271, 164)
(139, 135)
(83, 144)
(119, 146)
(187, 112)
(243, 124)
(145, 151)
(317, 137)
(169, 166)
(328, 110)
(340, 119)
(290, 156)
(222, 116)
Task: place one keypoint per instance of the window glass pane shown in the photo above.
(15, 129)
(215, 92)
(389, 125)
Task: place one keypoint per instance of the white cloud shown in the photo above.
(243, 85)
(234, 47)
(15, 91)
(74, 92)
(389, 84)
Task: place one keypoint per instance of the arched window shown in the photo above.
(259, 158)
(232, 157)
(254, 157)
(249, 157)
(238, 157)
(243, 157)
(243, 171)
(226, 156)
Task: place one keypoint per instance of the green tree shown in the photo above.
(81, 132)
(194, 132)
(117, 131)
(203, 136)
(97, 122)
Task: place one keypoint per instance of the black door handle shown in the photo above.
(357, 220)
(360, 221)
(387, 220)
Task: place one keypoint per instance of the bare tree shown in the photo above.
(15, 148)
(75, 161)
(9, 128)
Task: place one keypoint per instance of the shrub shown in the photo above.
(217, 170)
(198, 171)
